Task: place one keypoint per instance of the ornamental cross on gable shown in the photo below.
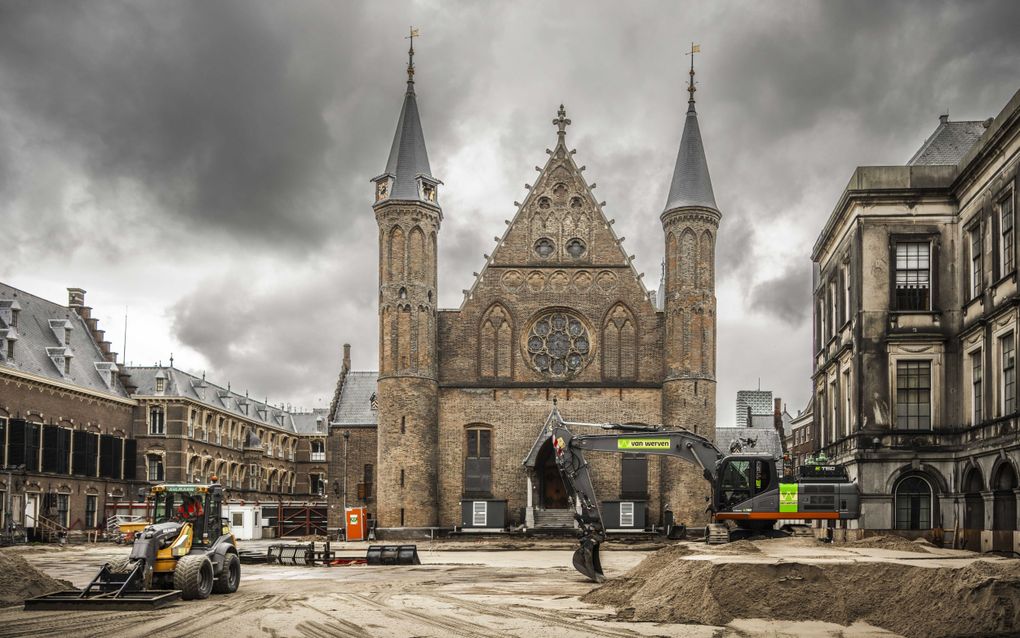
(561, 122)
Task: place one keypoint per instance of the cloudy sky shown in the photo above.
(205, 165)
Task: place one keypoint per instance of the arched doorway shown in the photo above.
(552, 493)
(973, 509)
(913, 498)
(1004, 498)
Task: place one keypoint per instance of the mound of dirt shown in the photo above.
(897, 543)
(736, 547)
(909, 600)
(19, 580)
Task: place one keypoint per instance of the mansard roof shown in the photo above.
(949, 142)
(39, 345)
(692, 184)
(179, 383)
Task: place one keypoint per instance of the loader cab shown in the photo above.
(741, 478)
(200, 505)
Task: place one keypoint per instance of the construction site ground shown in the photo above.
(484, 587)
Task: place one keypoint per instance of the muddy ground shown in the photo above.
(475, 588)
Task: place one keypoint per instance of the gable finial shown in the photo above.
(561, 122)
(695, 48)
(413, 33)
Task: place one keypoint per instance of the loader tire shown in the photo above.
(230, 576)
(194, 576)
(121, 565)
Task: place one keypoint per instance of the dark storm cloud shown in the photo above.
(212, 134)
(786, 297)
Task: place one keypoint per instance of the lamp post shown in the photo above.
(347, 437)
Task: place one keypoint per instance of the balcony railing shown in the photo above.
(943, 439)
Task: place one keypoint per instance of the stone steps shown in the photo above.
(563, 519)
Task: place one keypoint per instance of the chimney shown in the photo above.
(347, 356)
(75, 297)
(779, 406)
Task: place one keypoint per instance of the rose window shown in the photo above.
(558, 344)
(575, 248)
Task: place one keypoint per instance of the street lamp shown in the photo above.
(347, 437)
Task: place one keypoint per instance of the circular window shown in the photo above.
(576, 248)
(544, 203)
(575, 202)
(544, 247)
(558, 344)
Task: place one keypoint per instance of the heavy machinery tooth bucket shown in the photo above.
(586, 560)
(393, 555)
(107, 591)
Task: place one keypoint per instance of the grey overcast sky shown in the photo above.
(205, 164)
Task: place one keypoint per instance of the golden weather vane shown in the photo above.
(413, 33)
(695, 48)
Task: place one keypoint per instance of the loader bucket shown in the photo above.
(586, 560)
(393, 555)
(73, 600)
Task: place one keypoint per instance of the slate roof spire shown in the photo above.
(408, 175)
(692, 184)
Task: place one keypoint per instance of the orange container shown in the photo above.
(355, 520)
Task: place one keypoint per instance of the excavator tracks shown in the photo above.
(717, 534)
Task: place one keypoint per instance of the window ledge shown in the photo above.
(1011, 275)
(915, 312)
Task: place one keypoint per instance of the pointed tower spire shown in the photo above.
(408, 176)
(691, 185)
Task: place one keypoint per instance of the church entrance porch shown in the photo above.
(549, 503)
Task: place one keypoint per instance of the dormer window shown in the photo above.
(14, 316)
(160, 385)
(10, 349)
(382, 188)
(67, 335)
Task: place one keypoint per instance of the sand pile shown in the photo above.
(981, 598)
(19, 580)
(736, 547)
(897, 543)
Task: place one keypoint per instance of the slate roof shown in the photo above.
(765, 440)
(408, 155)
(355, 406)
(183, 384)
(948, 143)
(691, 185)
(34, 335)
(314, 422)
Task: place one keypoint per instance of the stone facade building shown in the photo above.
(915, 311)
(556, 312)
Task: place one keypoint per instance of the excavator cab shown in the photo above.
(742, 478)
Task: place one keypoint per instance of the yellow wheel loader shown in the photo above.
(187, 552)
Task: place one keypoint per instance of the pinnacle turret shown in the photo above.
(691, 185)
(408, 176)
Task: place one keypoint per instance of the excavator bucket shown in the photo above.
(393, 555)
(586, 560)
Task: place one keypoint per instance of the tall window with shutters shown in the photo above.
(976, 272)
(1007, 250)
(913, 276)
(478, 462)
(1007, 351)
(976, 394)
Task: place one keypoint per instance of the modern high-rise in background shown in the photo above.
(759, 401)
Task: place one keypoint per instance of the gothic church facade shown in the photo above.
(557, 311)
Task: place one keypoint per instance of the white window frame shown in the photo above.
(970, 353)
(479, 515)
(933, 352)
(627, 514)
(157, 426)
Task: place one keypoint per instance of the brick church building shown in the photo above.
(449, 431)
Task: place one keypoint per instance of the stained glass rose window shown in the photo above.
(558, 344)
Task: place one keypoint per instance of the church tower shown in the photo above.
(408, 214)
(690, 222)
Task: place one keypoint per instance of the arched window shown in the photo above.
(478, 461)
(913, 503)
(619, 349)
(494, 344)
(396, 251)
(1004, 498)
